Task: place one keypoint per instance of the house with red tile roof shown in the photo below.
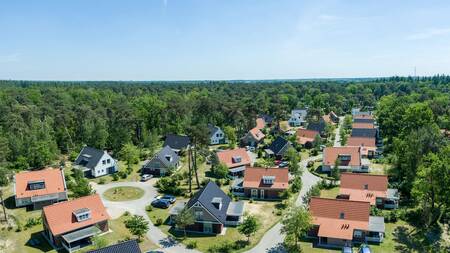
(72, 224)
(265, 183)
(349, 159)
(235, 160)
(39, 188)
(368, 188)
(331, 118)
(339, 223)
(367, 144)
(363, 125)
(255, 136)
(306, 137)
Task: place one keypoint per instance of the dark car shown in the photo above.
(364, 249)
(283, 164)
(168, 197)
(161, 203)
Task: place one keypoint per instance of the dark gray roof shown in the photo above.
(363, 120)
(318, 126)
(130, 246)
(364, 132)
(212, 129)
(278, 145)
(89, 157)
(176, 141)
(163, 153)
(205, 197)
(267, 118)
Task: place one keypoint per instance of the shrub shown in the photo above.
(126, 213)
(224, 247)
(115, 177)
(129, 170)
(33, 222)
(102, 181)
(122, 174)
(250, 201)
(191, 244)
(159, 222)
(149, 208)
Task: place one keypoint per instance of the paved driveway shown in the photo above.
(117, 208)
(337, 139)
(272, 241)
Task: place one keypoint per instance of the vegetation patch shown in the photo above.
(123, 193)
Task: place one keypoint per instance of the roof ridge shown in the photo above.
(341, 200)
(65, 202)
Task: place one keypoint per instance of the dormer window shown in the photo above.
(268, 179)
(366, 187)
(217, 202)
(82, 214)
(236, 159)
(342, 216)
(168, 158)
(36, 185)
(344, 157)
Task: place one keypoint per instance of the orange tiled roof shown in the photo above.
(305, 135)
(330, 154)
(362, 125)
(253, 177)
(226, 157)
(260, 123)
(53, 178)
(326, 213)
(257, 134)
(60, 218)
(327, 119)
(363, 116)
(354, 185)
(361, 141)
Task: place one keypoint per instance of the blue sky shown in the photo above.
(226, 39)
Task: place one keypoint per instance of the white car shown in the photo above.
(146, 177)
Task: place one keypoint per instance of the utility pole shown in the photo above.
(3, 205)
(189, 166)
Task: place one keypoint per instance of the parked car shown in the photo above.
(347, 249)
(167, 197)
(161, 203)
(283, 164)
(146, 177)
(251, 149)
(364, 248)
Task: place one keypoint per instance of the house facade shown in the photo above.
(265, 183)
(213, 210)
(165, 160)
(253, 137)
(338, 223)
(298, 117)
(236, 160)
(278, 148)
(349, 159)
(71, 225)
(39, 188)
(95, 162)
(216, 135)
(368, 188)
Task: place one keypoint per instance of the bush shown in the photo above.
(224, 247)
(169, 185)
(122, 174)
(126, 213)
(115, 177)
(33, 222)
(191, 244)
(391, 216)
(149, 208)
(129, 170)
(102, 181)
(159, 222)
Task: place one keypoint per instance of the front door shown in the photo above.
(261, 194)
(207, 228)
(254, 193)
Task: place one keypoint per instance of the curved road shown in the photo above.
(116, 209)
(272, 241)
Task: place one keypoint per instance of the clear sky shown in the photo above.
(221, 39)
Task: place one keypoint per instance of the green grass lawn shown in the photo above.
(123, 193)
(329, 193)
(265, 211)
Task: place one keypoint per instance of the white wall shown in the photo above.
(102, 169)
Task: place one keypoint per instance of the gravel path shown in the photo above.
(154, 234)
(337, 139)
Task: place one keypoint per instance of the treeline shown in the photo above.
(41, 120)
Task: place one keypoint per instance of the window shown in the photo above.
(341, 216)
(108, 161)
(236, 159)
(198, 215)
(104, 162)
(82, 214)
(268, 179)
(366, 187)
(36, 185)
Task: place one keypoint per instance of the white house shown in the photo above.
(95, 163)
(216, 135)
(298, 117)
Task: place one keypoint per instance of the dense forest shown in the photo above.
(40, 120)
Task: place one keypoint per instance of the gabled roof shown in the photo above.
(363, 115)
(318, 126)
(305, 135)
(130, 246)
(177, 142)
(364, 132)
(354, 185)
(363, 120)
(339, 218)
(212, 130)
(267, 118)
(253, 177)
(256, 134)
(53, 179)
(89, 157)
(166, 152)
(60, 218)
(277, 146)
(205, 197)
(260, 123)
(362, 125)
(361, 141)
(330, 154)
(226, 157)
